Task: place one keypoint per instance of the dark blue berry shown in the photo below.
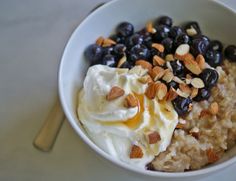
(181, 39)
(199, 46)
(109, 60)
(119, 49)
(125, 29)
(178, 67)
(209, 77)
(203, 94)
(134, 40)
(168, 44)
(175, 31)
(194, 25)
(108, 50)
(154, 52)
(161, 33)
(202, 37)
(93, 53)
(118, 39)
(173, 84)
(164, 20)
(139, 52)
(215, 45)
(182, 105)
(213, 58)
(230, 53)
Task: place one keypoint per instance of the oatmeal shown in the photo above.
(161, 98)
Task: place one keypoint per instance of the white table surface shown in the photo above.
(32, 38)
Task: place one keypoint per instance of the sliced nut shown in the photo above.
(191, 31)
(108, 42)
(188, 79)
(169, 57)
(100, 41)
(138, 70)
(168, 76)
(145, 79)
(136, 152)
(181, 51)
(161, 91)
(185, 88)
(122, 61)
(188, 57)
(114, 93)
(195, 132)
(192, 66)
(211, 155)
(150, 28)
(156, 73)
(169, 66)
(214, 108)
(194, 92)
(182, 94)
(130, 101)
(151, 90)
(197, 83)
(178, 80)
(153, 137)
(171, 94)
(201, 61)
(158, 60)
(144, 64)
(159, 47)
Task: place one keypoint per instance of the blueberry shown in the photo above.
(181, 39)
(125, 29)
(93, 53)
(168, 44)
(108, 50)
(178, 67)
(202, 37)
(199, 46)
(203, 94)
(193, 25)
(119, 49)
(154, 52)
(214, 58)
(209, 77)
(173, 84)
(182, 105)
(118, 39)
(230, 53)
(164, 20)
(161, 33)
(175, 31)
(139, 52)
(109, 60)
(215, 45)
(134, 40)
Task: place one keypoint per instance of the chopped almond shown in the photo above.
(159, 47)
(156, 73)
(211, 155)
(150, 28)
(136, 152)
(108, 42)
(181, 51)
(194, 92)
(197, 83)
(144, 64)
(146, 79)
(161, 91)
(151, 90)
(153, 137)
(100, 41)
(214, 108)
(114, 93)
(121, 61)
(201, 61)
(168, 76)
(169, 57)
(185, 88)
(158, 61)
(171, 94)
(193, 66)
(130, 101)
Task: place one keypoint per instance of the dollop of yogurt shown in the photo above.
(115, 128)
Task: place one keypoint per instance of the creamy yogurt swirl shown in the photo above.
(115, 128)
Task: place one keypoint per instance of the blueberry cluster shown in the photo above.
(138, 45)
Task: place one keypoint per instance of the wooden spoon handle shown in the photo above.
(47, 135)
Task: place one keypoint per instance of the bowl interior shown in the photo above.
(216, 21)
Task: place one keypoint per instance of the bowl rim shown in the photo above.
(97, 149)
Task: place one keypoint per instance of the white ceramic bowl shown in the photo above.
(216, 21)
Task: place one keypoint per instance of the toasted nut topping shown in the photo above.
(151, 90)
(159, 47)
(182, 94)
(211, 155)
(181, 51)
(214, 108)
(121, 61)
(171, 94)
(197, 83)
(150, 28)
(108, 42)
(114, 93)
(138, 70)
(169, 57)
(193, 66)
(145, 79)
(158, 61)
(194, 132)
(188, 79)
(168, 76)
(185, 88)
(156, 73)
(188, 57)
(161, 91)
(144, 64)
(136, 152)
(100, 41)
(194, 92)
(169, 66)
(130, 101)
(201, 61)
(191, 31)
(178, 80)
(153, 137)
